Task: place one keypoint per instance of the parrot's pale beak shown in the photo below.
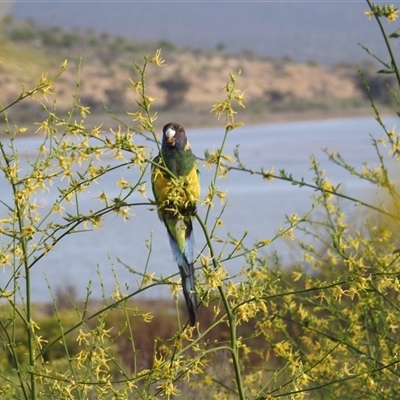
(170, 136)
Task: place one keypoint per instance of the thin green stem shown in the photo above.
(388, 45)
(231, 316)
(28, 305)
(29, 93)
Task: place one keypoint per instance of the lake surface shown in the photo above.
(256, 205)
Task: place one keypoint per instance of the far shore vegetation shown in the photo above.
(277, 89)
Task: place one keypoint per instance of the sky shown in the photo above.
(326, 31)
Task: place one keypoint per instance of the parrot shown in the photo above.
(176, 194)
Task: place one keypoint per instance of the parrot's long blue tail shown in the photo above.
(185, 262)
(187, 275)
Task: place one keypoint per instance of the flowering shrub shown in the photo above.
(326, 327)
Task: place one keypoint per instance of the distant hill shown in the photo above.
(323, 31)
(193, 79)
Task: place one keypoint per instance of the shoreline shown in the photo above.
(201, 119)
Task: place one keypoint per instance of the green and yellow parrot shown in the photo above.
(176, 194)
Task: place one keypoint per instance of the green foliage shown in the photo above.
(166, 45)
(175, 87)
(23, 34)
(324, 327)
(378, 83)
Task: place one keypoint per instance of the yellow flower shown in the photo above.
(123, 183)
(82, 337)
(268, 175)
(322, 296)
(239, 98)
(224, 107)
(327, 187)
(157, 59)
(208, 201)
(264, 242)
(39, 341)
(137, 116)
(84, 111)
(247, 311)
(148, 278)
(351, 292)
(124, 212)
(44, 86)
(35, 326)
(147, 317)
(214, 277)
(119, 156)
(392, 16)
(142, 190)
(221, 195)
(369, 14)
(103, 196)
(137, 85)
(296, 275)
(283, 349)
(147, 100)
(208, 380)
(20, 130)
(28, 231)
(57, 207)
(6, 294)
(205, 261)
(96, 130)
(169, 389)
(96, 221)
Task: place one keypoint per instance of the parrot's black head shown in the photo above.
(174, 137)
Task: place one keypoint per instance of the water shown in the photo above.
(256, 205)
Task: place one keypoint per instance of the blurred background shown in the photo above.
(324, 31)
(296, 58)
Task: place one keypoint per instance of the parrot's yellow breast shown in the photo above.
(182, 190)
